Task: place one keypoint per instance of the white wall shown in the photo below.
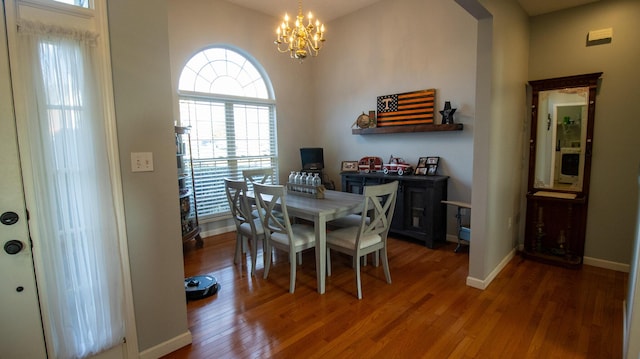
(558, 48)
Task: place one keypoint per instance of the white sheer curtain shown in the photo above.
(75, 216)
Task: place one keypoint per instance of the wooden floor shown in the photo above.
(530, 310)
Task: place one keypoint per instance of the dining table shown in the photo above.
(334, 205)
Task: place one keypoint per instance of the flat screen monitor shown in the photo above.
(312, 158)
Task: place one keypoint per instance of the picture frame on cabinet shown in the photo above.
(432, 165)
(427, 166)
(349, 166)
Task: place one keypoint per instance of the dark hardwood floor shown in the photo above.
(530, 310)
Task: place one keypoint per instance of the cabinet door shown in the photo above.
(555, 230)
(416, 199)
(356, 183)
(423, 214)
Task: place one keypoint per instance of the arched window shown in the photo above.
(228, 102)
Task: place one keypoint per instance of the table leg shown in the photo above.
(321, 252)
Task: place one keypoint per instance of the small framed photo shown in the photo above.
(432, 165)
(427, 166)
(349, 166)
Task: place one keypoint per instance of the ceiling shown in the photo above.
(327, 10)
(539, 7)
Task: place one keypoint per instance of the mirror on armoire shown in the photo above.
(560, 150)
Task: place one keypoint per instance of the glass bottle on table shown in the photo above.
(317, 181)
(303, 182)
(292, 179)
(296, 181)
(309, 183)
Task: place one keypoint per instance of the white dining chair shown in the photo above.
(370, 235)
(280, 232)
(248, 228)
(259, 175)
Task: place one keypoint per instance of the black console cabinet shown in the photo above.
(419, 212)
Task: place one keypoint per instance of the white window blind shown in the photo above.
(226, 102)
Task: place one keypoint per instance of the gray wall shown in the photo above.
(497, 173)
(393, 47)
(558, 48)
(144, 115)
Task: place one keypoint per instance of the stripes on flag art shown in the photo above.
(409, 108)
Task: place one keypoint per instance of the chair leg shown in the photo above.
(376, 259)
(254, 255)
(385, 264)
(236, 257)
(267, 264)
(292, 275)
(264, 252)
(299, 254)
(328, 262)
(357, 269)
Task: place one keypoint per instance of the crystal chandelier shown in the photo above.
(300, 41)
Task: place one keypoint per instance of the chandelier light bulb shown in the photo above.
(300, 41)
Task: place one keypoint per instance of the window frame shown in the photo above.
(210, 197)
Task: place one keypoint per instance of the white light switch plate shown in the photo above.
(141, 161)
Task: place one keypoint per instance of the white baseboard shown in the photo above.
(484, 283)
(601, 263)
(620, 267)
(476, 283)
(167, 347)
(216, 231)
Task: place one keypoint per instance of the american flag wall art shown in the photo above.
(409, 108)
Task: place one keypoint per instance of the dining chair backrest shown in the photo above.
(380, 203)
(259, 175)
(239, 204)
(271, 201)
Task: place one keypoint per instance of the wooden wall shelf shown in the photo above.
(407, 128)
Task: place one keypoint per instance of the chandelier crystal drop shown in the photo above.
(300, 41)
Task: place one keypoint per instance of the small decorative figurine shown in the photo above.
(447, 113)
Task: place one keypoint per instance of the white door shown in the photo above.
(21, 334)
